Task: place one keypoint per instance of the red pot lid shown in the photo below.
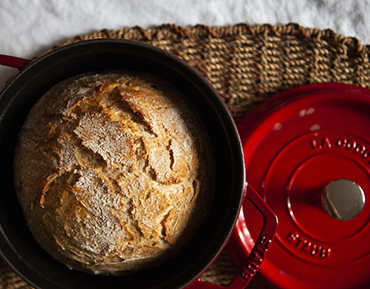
(307, 153)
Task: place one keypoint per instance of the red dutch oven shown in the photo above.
(307, 153)
(18, 247)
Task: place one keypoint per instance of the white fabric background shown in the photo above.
(30, 27)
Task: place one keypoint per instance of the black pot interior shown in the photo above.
(18, 247)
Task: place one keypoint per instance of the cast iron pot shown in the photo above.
(18, 247)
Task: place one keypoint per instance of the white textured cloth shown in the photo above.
(30, 27)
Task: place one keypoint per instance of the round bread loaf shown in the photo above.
(113, 172)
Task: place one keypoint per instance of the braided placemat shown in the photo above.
(247, 65)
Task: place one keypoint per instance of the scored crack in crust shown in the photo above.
(114, 172)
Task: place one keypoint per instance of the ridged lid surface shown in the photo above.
(307, 153)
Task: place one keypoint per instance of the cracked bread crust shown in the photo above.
(114, 172)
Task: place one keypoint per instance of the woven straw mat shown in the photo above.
(247, 65)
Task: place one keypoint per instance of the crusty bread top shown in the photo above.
(111, 169)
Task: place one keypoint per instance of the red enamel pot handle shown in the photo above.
(259, 250)
(13, 61)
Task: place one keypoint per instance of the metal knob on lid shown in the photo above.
(343, 199)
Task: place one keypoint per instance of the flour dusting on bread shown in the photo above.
(114, 172)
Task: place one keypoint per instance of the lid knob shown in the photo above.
(343, 199)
